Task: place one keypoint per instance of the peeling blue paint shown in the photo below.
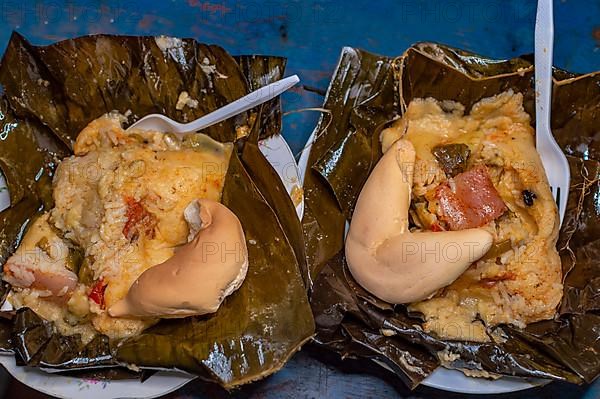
(311, 33)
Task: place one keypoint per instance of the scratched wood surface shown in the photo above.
(311, 33)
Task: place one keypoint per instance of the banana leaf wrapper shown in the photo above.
(50, 94)
(368, 91)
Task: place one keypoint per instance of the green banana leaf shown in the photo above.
(50, 94)
(366, 92)
(361, 98)
(261, 71)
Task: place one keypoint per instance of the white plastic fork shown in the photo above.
(161, 123)
(554, 160)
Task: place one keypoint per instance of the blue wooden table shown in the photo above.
(311, 33)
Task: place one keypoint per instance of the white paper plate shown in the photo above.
(442, 378)
(279, 154)
(277, 151)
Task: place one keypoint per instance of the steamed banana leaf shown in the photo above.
(361, 90)
(365, 93)
(51, 93)
(260, 71)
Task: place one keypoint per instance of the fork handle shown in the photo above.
(240, 105)
(544, 43)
